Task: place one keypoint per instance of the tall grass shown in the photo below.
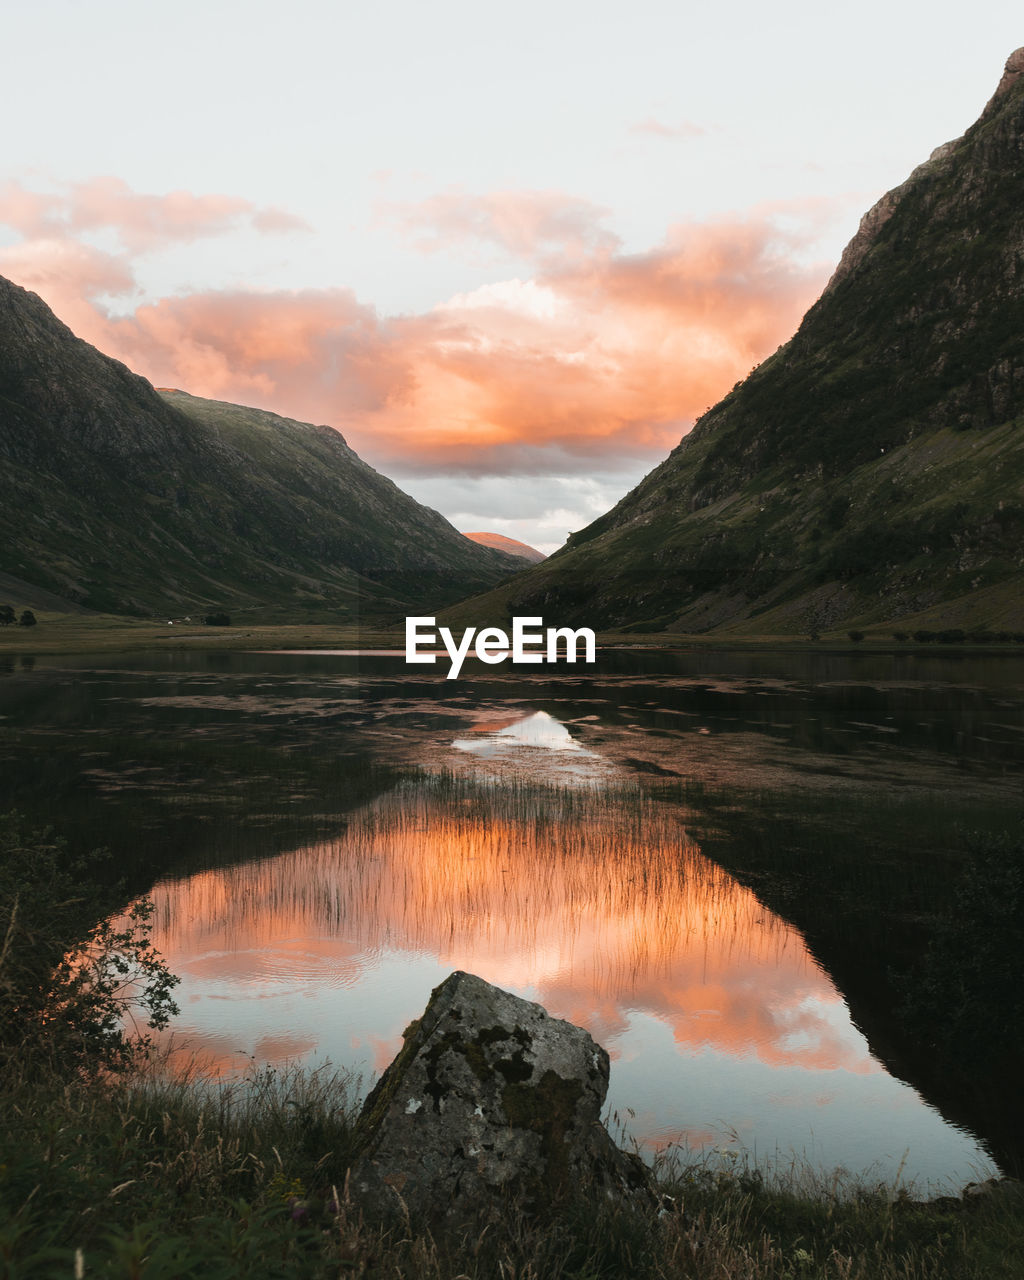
(170, 1179)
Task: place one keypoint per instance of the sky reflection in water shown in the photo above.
(720, 1025)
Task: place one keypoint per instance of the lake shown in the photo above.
(635, 844)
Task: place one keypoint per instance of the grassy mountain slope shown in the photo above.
(873, 468)
(124, 500)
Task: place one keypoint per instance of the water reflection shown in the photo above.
(536, 730)
(603, 910)
(189, 760)
(535, 744)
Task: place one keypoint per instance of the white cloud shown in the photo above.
(539, 510)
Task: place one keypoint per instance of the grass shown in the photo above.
(63, 633)
(177, 1178)
(109, 633)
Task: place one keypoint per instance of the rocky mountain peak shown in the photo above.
(879, 214)
(1011, 73)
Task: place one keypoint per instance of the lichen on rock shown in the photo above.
(490, 1101)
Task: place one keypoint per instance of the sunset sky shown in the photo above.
(511, 251)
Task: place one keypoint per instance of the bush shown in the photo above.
(71, 989)
(217, 620)
(856, 636)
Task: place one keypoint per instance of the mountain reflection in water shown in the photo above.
(593, 902)
(500, 743)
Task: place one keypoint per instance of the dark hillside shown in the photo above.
(873, 468)
(121, 499)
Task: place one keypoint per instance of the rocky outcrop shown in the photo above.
(1011, 73)
(879, 214)
(490, 1102)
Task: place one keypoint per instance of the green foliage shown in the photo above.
(72, 989)
(27, 619)
(7, 615)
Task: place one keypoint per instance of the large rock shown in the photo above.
(490, 1101)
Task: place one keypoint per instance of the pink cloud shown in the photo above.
(141, 222)
(70, 276)
(33, 213)
(598, 354)
(528, 224)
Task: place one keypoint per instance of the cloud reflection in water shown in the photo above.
(594, 902)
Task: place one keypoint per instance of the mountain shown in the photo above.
(121, 499)
(872, 469)
(509, 545)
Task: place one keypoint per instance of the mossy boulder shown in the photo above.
(491, 1103)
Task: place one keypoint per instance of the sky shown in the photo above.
(510, 251)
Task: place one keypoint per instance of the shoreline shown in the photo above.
(105, 633)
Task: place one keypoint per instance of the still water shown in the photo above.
(525, 839)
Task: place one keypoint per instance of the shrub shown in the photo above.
(71, 989)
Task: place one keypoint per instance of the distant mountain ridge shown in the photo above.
(121, 499)
(511, 546)
(873, 468)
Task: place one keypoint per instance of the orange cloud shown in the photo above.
(599, 354)
(318, 354)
